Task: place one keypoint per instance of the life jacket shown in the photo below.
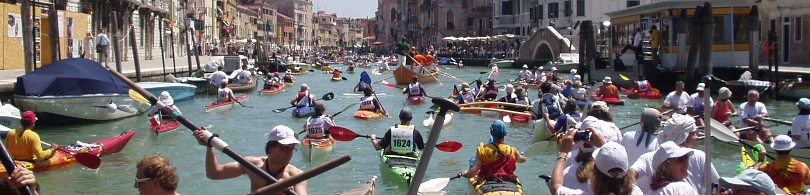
(643, 86)
(402, 141)
(491, 92)
(468, 97)
(303, 99)
(522, 100)
(367, 103)
(551, 105)
(222, 94)
(315, 126)
(414, 89)
(501, 169)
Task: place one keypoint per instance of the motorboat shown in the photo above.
(179, 91)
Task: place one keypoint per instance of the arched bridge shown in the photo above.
(545, 44)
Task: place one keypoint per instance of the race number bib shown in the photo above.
(402, 140)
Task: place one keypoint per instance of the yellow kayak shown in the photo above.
(365, 114)
(495, 188)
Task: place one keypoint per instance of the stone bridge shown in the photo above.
(546, 44)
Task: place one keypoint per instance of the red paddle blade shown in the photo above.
(387, 84)
(88, 160)
(448, 146)
(342, 134)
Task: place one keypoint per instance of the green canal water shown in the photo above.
(245, 128)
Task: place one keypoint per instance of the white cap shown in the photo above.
(611, 155)
(166, 98)
(669, 150)
(607, 80)
(701, 86)
(283, 135)
(525, 66)
(782, 143)
(573, 71)
(553, 68)
(577, 77)
(677, 129)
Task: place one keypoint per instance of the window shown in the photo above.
(450, 20)
(553, 9)
(540, 12)
(506, 8)
(580, 7)
(632, 3)
(797, 36)
(567, 9)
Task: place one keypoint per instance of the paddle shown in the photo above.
(326, 97)
(723, 128)
(539, 148)
(378, 101)
(86, 159)
(345, 135)
(784, 122)
(436, 185)
(507, 119)
(137, 97)
(420, 64)
(9, 164)
(344, 78)
(624, 77)
(333, 116)
(721, 132)
(240, 103)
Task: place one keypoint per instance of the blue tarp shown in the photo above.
(75, 76)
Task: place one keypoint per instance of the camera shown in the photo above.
(582, 135)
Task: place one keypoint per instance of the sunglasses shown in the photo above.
(139, 180)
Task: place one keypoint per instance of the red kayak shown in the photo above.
(65, 154)
(416, 100)
(612, 101)
(653, 94)
(227, 104)
(274, 90)
(520, 118)
(165, 125)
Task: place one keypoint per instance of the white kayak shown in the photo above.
(429, 121)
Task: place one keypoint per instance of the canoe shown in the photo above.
(273, 90)
(227, 104)
(316, 148)
(612, 101)
(653, 94)
(303, 112)
(415, 100)
(540, 131)
(404, 74)
(165, 125)
(304, 68)
(365, 114)
(495, 188)
(400, 168)
(364, 189)
(337, 78)
(430, 121)
(64, 155)
(236, 87)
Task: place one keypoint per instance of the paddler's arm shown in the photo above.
(566, 144)
(382, 143)
(213, 170)
(39, 153)
(469, 173)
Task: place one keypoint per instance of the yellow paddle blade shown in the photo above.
(746, 158)
(137, 97)
(624, 77)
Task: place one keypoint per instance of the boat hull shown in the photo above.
(314, 149)
(64, 155)
(179, 91)
(404, 74)
(796, 90)
(399, 168)
(365, 114)
(79, 108)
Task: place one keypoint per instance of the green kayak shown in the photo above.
(398, 167)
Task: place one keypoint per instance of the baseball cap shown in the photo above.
(573, 71)
(751, 177)
(677, 129)
(701, 86)
(497, 130)
(669, 150)
(282, 134)
(610, 156)
(29, 116)
(803, 103)
(553, 68)
(780, 143)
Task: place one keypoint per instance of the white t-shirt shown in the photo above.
(801, 126)
(697, 102)
(675, 188)
(678, 101)
(645, 170)
(563, 190)
(244, 77)
(635, 148)
(570, 178)
(222, 94)
(751, 111)
(217, 77)
(637, 39)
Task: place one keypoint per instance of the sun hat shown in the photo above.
(724, 93)
(166, 98)
(525, 66)
(610, 156)
(782, 143)
(577, 77)
(283, 135)
(29, 116)
(573, 71)
(608, 80)
(700, 86)
(669, 150)
(465, 86)
(497, 130)
(553, 68)
(677, 129)
(803, 103)
(751, 177)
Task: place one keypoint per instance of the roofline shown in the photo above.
(658, 6)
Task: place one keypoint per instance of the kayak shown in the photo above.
(364, 189)
(401, 168)
(316, 148)
(653, 94)
(520, 118)
(337, 78)
(289, 83)
(612, 101)
(227, 104)
(365, 114)
(272, 90)
(494, 187)
(303, 112)
(416, 100)
(64, 155)
(165, 125)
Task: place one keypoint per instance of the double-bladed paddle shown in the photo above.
(326, 97)
(333, 116)
(343, 134)
(436, 185)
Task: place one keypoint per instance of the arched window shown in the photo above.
(394, 15)
(450, 20)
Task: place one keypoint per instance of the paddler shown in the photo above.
(788, 174)
(695, 104)
(749, 181)
(303, 98)
(490, 91)
(608, 90)
(521, 99)
(752, 113)
(165, 113)
(369, 103)
(225, 94)
(723, 109)
(280, 148)
(525, 74)
(429, 59)
(466, 96)
(539, 76)
(155, 175)
(271, 81)
(420, 59)
(350, 68)
(318, 125)
(642, 86)
(336, 73)
(495, 161)
(288, 78)
(643, 140)
(24, 144)
(244, 76)
(217, 77)
(677, 99)
(552, 75)
(801, 124)
(415, 88)
(573, 76)
(510, 96)
(402, 139)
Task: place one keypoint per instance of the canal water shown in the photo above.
(245, 130)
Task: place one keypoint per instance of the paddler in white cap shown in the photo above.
(225, 94)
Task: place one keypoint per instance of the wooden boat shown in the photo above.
(404, 74)
(364, 189)
(739, 88)
(794, 89)
(236, 87)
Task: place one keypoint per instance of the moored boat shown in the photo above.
(237, 87)
(794, 89)
(179, 91)
(64, 155)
